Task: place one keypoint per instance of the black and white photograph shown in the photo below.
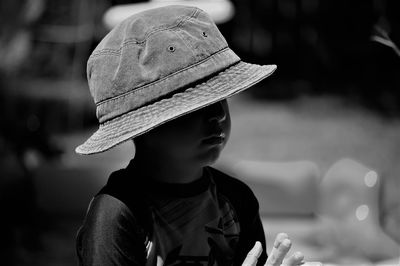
(200, 132)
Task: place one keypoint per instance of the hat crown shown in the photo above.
(153, 54)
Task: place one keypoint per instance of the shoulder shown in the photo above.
(105, 212)
(115, 206)
(107, 205)
(110, 233)
(109, 220)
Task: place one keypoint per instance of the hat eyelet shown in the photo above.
(171, 49)
(205, 34)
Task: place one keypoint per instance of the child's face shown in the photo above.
(194, 139)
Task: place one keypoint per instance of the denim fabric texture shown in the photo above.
(157, 65)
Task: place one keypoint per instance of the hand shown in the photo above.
(281, 247)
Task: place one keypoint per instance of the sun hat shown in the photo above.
(158, 65)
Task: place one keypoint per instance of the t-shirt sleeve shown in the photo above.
(110, 235)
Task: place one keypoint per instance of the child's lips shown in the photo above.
(215, 139)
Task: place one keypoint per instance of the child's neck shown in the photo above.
(167, 172)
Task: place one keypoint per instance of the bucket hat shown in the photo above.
(158, 65)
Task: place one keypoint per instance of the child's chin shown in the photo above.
(211, 155)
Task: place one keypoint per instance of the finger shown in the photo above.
(253, 255)
(312, 263)
(295, 260)
(278, 240)
(276, 257)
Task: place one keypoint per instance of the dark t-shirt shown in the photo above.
(131, 221)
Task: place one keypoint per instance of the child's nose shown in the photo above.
(217, 112)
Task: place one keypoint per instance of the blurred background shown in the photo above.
(319, 142)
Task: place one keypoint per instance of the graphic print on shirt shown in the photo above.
(201, 231)
(223, 236)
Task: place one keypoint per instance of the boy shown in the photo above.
(161, 78)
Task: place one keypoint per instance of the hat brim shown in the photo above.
(221, 86)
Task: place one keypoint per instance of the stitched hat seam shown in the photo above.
(110, 99)
(120, 116)
(117, 52)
